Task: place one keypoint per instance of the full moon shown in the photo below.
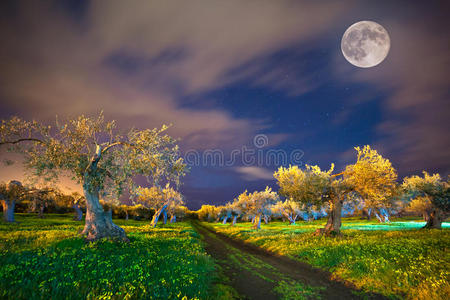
(365, 44)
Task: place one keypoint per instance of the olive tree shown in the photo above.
(313, 186)
(224, 212)
(374, 179)
(77, 201)
(102, 160)
(10, 193)
(160, 199)
(258, 204)
(41, 198)
(435, 195)
(176, 208)
(334, 193)
(124, 210)
(178, 211)
(236, 212)
(238, 206)
(289, 209)
(67, 202)
(420, 205)
(206, 212)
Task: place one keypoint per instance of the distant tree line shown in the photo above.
(17, 198)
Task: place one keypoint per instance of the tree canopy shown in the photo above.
(433, 192)
(373, 177)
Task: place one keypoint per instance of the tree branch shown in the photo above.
(95, 158)
(100, 151)
(338, 174)
(23, 140)
(117, 144)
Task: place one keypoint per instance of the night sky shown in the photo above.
(223, 72)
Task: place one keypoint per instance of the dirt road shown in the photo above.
(255, 273)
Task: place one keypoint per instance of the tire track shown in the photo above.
(254, 272)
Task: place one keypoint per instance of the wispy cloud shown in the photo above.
(137, 62)
(254, 173)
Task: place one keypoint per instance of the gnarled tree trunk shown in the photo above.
(225, 219)
(385, 214)
(367, 214)
(292, 220)
(99, 223)
(234, 221)
(8, 210)
(165, 217)
(434, 220)
(41, 211)
(157, 215)
(78, 212)
(378, 217)
(386, 219)
(257, 222)
(333, 226)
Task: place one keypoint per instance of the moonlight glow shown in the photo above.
(365, 44)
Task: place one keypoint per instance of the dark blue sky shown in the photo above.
(225, 72)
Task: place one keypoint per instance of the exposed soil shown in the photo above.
(254, 272)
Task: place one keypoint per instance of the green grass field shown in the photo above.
(44, 259)
(397, 259)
